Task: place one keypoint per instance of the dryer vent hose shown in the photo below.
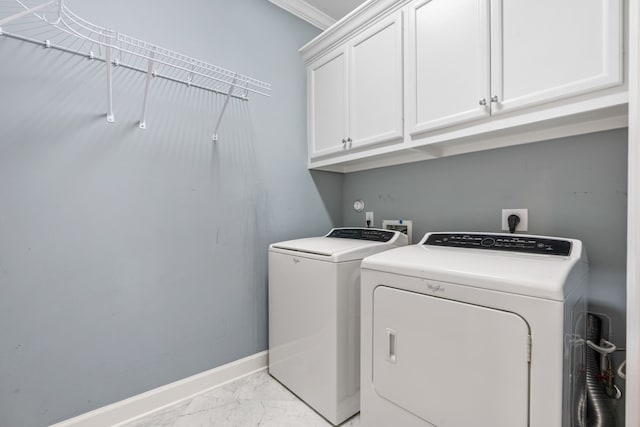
(599, 406)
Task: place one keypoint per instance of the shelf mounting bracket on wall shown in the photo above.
(224, 107)
(150, 75)
(121, 51)
(110, 117)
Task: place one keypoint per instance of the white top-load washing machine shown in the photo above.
(314, 315)
(474, 330)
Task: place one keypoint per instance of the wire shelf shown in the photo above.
(53, 25)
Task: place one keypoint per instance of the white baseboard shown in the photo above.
(142, 404)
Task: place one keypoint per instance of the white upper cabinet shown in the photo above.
(546, 50)
(355, 92)
(376, 83)
(398, 81)
(468, 59)
(448, 63)
(327, 83)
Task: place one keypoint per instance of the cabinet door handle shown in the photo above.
(344, 141)
(483, 101)
(494, 99)
(349, 140)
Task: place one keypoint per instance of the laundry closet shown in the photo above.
(152, 152)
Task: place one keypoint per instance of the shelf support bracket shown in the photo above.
(143, 122)
(224, 107)
(110, 117)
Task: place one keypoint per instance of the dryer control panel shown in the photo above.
(372, 234)
(501, 242)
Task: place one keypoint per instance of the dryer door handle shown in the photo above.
(392, 336)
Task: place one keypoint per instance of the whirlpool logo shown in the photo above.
(435, 288)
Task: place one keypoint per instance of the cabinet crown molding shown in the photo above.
(306, 12)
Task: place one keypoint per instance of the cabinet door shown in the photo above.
(546, 50)
(327, 104)
(375, 83)
(448, 63)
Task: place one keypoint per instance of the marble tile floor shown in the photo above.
(256, 400)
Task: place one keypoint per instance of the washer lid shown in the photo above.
(543, 276)
(349, 244)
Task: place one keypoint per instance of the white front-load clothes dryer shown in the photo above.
(474, 330)
(314, 315)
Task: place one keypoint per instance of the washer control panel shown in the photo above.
(372, 234)
(501, 242)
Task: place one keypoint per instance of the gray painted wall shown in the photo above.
(130, 258)
(573, 187)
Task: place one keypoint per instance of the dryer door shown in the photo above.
(450, 363)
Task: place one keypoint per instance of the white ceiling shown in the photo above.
(335, 8)
(321, 13)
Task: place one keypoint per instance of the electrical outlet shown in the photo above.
(369, 217)
(524, 219)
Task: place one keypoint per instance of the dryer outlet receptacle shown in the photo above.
(523, 214)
